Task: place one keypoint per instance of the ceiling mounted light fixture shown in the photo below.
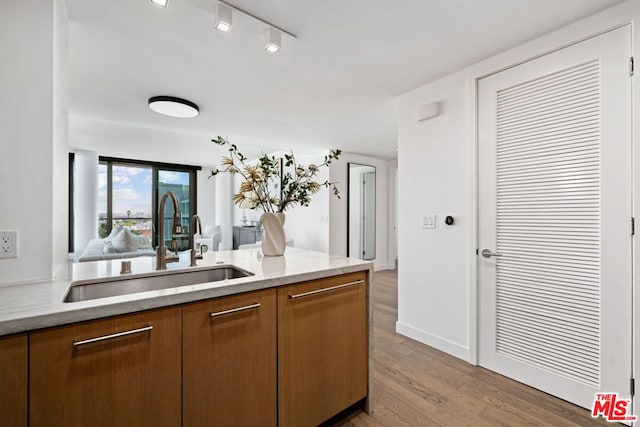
(224, 21)
(162, 3)
(174, 107)
(273, 34)
(273, 40)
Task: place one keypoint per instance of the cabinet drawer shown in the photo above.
(230, 361)
(123, 370)
(322, 348)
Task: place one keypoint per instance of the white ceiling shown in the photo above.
(333, 88)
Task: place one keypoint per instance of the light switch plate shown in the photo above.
(429, 221)
(8, 244)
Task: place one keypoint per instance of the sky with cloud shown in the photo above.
(132, 188)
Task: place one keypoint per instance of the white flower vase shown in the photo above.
(273, 240)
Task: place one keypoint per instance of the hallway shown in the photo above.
(416, 385)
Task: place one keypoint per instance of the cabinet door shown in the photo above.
(322, 348)
(128, 376)
(230, 361)
(13, 380)
(236, 237)
(247, 236)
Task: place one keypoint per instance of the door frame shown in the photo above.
(588, 28)
(612, 369)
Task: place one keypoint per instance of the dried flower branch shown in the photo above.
(296, 185)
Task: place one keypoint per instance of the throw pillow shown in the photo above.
(125, 241)
(144, 242)
(208, 230)
(108, 247)
(114, 232)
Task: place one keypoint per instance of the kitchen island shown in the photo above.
(286, 345)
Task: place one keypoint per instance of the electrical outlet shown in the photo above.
(8, 244)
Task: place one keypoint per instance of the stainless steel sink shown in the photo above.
(134, 284)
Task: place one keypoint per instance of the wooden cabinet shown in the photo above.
(290, 356)
(13, 381)
(322, 348)
(245, 235)
(230, 361)
(128, 376)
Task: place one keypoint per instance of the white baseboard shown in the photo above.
(379, 267)
(434, 341)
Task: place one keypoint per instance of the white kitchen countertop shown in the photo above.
(29, 306)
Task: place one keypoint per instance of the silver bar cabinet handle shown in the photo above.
(112, 336)
(488, 254)
(319, 291)
(235, 310)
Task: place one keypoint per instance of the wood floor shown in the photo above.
(416, 385)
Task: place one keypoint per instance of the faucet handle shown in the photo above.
(125, 267)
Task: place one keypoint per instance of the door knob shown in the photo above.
(488, 254)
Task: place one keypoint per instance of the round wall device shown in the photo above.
(449, 220)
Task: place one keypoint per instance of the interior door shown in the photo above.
(555, 210)
(369, 215)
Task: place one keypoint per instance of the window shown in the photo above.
(130, 197)
(129, 192)
(180, 183)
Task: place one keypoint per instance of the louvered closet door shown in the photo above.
(555, 205)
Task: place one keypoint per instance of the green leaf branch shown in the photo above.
(296, 181)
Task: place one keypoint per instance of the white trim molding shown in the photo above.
(434, 341)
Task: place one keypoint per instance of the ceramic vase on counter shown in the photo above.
(273, 240)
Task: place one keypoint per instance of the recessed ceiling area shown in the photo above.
(333, 87)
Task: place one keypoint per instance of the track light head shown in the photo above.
(273, 40)
(224, 21)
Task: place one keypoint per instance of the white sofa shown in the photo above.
(121, 243)
(95, 252)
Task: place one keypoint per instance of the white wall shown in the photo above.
(132, 141)
(309, 226)
(85, 199)
(338, 207)
(224, 209)
(437, 174)
(60, 151)
(33, 137)
(252, 215)
(206, 197)
(433, 159)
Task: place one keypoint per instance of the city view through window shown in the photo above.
(177, 182)
(132, 199)
(132, 190)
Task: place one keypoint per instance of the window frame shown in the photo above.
(155, 168)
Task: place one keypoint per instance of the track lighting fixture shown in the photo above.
(273, 40)
(273, 35)
(224, 20)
